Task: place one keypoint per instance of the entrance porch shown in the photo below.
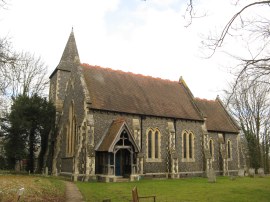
(116, 156)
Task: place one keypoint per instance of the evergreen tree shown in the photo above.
(29, 124)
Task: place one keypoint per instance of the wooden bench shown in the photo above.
(136, 197)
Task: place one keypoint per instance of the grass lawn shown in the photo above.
(35, 188)
(190, 189)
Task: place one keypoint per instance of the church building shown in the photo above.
(113, 125)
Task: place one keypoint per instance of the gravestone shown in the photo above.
(261, 172)
(212, 175)
(251, 172)
(1, 196)
(232, 177)
(241, 172)
(17, 166)
(246, 172)
(20, 193)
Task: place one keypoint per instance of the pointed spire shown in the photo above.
(70, 53)
(70, 56)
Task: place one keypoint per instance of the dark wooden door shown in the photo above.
(123, 163)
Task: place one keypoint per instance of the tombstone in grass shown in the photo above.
(46, 171)
(20, 193)
(17, 166)
(246, 171)
(1, 196)
(232, 177)
(208, 161)
(251, 172)
(212, 176)
(241, 172)
(261, 172)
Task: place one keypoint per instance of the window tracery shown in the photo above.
(188, 146)
(153, 145)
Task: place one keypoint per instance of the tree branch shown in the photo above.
(218, 43)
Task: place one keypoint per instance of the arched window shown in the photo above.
(187, 146)
(190, 141)
(67, 139)
(211, 148)
(73, 134)
(150, 144)
(229, 149)
(156, 144)
(70, 131)
(153, 144)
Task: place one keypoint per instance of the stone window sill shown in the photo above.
(153, 160)
(188, 160)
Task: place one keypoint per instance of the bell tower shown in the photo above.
(60, 76)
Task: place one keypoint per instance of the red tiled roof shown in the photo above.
(132, 93)
(217, 118)
(111, 135)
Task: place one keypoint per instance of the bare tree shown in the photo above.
(265, 147)
(3, 3)
(248, 97)
(250, 105)
(6, 53)
(7, 58)
(251, 25)
(26, 76)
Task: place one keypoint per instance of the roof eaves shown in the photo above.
(152, 115)
(55, 70)
(223, 131)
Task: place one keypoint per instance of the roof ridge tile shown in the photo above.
(127, 72)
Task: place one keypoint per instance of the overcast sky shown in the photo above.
(145, 37)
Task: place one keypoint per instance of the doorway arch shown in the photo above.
(123, 155)
(117, 151)
(122, 163)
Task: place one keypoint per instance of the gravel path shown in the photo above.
(72, 193)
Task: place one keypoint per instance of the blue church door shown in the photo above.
(122, 163)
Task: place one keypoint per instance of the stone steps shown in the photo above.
(122, 179)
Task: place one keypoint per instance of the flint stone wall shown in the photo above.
(217, 162)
